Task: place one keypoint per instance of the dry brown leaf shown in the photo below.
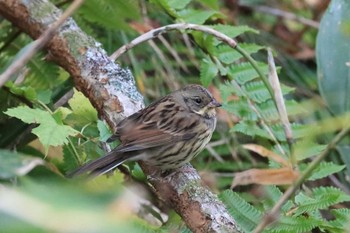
(276, 176)
(267, 153)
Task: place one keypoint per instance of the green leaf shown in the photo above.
(211, 3)
(321, 198)
(197, 16)
(105, 133)
(29, 115)
(250, 129)
(244, 72)
(44, 96)
(110, 13)
(26, 91)
(15, 164)
(208, 71)
(333, 56)
(245, 214)
(344, 151)
(42, 75)
(228, 55)
(325, 169)
(83, 112)
(233, 31)
(340, 223)
(305, 149)
(49, 132)
(300, 224)
(166, 6)
(49, 204)
(178, 5)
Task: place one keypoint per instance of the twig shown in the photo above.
(161, 30)
(273, 214)
(38, 44)
(173, 53)
(284, 14)
(214, 153)
(281, 107)
(170, 78)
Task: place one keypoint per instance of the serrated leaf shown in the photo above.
(208, 71)
(49, 132)
(325, 169)
(29, 115)
(53, 134)
(15, 164)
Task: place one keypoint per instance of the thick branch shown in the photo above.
(109, 88)
(112, 91)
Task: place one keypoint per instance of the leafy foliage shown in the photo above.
(245, 214)
(305, 216)
(50, 131)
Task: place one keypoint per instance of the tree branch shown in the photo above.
(112, 91)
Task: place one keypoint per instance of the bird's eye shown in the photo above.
(197, 99)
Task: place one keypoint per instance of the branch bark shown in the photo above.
(112, 91)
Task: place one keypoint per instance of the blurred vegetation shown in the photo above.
(43, 137)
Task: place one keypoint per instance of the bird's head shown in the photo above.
(199, 100)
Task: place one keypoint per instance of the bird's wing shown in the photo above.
(145, 139)
(155, 126)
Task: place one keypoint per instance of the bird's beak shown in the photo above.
(214, 104)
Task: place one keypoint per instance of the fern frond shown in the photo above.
(339, 224)
(244, 72)
(227, 55)
(109, 13)
(322, 198)
(250, 129)
(245, 214)
(298, 224)
(325, 169)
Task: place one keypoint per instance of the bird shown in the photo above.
(167, 134)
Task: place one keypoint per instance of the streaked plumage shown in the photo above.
(167, 134)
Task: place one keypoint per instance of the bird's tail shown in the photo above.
(100, 166)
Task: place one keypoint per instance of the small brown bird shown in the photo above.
(167, 134)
